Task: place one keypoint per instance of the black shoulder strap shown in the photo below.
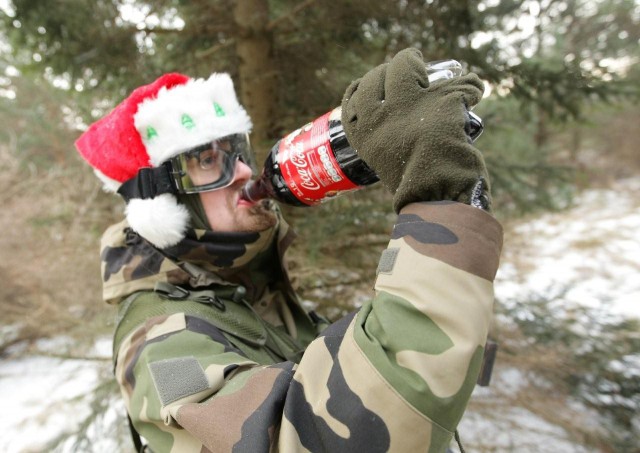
(137, 440)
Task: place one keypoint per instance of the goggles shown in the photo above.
(201, 169)
(210, 166)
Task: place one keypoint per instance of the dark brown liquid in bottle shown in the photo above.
(311, 165)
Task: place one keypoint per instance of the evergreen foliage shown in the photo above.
(548, 57)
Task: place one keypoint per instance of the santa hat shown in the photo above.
(156, 122)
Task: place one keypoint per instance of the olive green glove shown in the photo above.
(412, 134)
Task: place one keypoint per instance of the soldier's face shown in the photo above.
(227, 211)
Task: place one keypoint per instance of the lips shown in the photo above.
(243, 202)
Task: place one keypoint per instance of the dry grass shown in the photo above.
(48, 251)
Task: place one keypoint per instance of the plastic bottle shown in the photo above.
(315, 163)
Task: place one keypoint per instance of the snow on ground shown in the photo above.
(47, 397)
(497, 421)
(592, 251)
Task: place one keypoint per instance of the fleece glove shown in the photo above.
(414, 135)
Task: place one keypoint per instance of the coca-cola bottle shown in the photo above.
(315, 163)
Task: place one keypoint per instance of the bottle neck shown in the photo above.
(256, 190)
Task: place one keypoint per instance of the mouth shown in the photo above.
(241, 201)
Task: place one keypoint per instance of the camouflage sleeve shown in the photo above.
(400, 376)
(187, 389)
(395, 377)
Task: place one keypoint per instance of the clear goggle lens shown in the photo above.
(211, 166)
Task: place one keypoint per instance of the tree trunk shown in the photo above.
(541, 135)
(256, 70)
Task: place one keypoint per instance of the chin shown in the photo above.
(258, 219)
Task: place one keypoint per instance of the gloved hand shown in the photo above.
(412, 134)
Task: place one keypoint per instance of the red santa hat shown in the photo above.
(156, 122)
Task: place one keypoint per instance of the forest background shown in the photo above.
(561, 115)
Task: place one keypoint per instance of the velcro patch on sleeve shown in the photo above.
(177, 378)
(387, 261)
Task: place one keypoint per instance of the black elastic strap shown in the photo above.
(488, 360)
(137, 441)
(456, 435)
(148, 183)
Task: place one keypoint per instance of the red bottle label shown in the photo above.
(308, 164)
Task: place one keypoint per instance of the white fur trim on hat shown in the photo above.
(189, 115)
(108, 184)
(160, 220)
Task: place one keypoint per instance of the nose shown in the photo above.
(243, 172)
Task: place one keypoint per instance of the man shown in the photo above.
(212, 350)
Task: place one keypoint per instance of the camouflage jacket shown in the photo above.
(395, 376)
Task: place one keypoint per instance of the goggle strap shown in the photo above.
(148, 183)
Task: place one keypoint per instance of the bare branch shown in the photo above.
(213, 49)
(158, 30)
(276, 22)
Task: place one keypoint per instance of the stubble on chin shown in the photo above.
(261, 217)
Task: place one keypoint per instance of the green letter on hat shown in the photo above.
(219, 109)
(187, 122)
(151, 132)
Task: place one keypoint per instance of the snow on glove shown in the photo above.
(412, 134)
